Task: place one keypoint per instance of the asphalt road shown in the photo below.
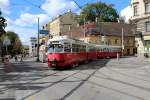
(103, 79)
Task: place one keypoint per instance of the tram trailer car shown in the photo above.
(64, 52)
(105, 51)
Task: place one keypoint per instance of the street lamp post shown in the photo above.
(122, 43)
(84, 30)
(38, 41)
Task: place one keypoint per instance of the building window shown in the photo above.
(147, 7)
(147, 26)
(147, 42)
(128, 41)
(109, 42)
(116, 41)
(135, 10)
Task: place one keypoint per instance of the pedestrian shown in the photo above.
(21, 59)
(16, 59)
(7, 65)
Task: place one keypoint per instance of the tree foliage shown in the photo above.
(2, 24)
(2, 30)
(102, 11)
(16, 45)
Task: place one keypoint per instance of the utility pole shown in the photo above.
(84, 30)
(83, 19)
(38, 40)
(122, 41)
(70, 33)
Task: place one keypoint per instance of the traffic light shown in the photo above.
(35, 45)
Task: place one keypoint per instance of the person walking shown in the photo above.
(16, 59)
(21, 59)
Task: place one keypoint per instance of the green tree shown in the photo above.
(2, 24)
(102, 11)
(2, 31)
(16, 45)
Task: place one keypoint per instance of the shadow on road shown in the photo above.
(35, 71)
(96, 64)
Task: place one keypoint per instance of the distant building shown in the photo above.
(62, 24)
(141, 19)
(32, 47)
(26, 50)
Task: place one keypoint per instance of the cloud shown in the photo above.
(56, 7)
(27, 19)
(26, 24)
(23, 32)
(126, 13)
(4, 6)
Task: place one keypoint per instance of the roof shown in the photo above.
(65, 38)
(61, 15)
(111, 29)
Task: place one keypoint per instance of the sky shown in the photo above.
(22, 15)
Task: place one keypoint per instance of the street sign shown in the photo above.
(44, 31)
(6, 41)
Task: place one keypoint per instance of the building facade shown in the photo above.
(141, 19)
(26, 50)
(32, 47)
(111, 34)
(62, 24)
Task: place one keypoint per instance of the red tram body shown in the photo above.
(64, 52)
(104, 51)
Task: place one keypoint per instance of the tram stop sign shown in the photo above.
(44, 32)
(6, 41)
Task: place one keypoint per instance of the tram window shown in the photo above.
(101, 49)
(104, 49)
(74, 48)
(67, 47)
(58, 47)
(78, 48)
(51, 46)
(82, 48)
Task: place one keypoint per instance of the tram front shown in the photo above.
(55, 54)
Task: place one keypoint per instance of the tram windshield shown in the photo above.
(55, 48)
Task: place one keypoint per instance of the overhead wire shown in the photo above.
(77, 4)
(33, 4)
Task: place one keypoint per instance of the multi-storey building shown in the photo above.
(62, 24)
(32, 47)
(141, 18)
(116, 34)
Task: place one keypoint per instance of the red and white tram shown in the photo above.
(106, 51)
(64, 52)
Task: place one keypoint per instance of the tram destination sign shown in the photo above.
(44, 31)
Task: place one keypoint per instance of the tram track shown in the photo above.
(99, 85)
(103, 86)
(50, 85)
(12, 84)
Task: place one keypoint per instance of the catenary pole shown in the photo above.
(38, 41)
